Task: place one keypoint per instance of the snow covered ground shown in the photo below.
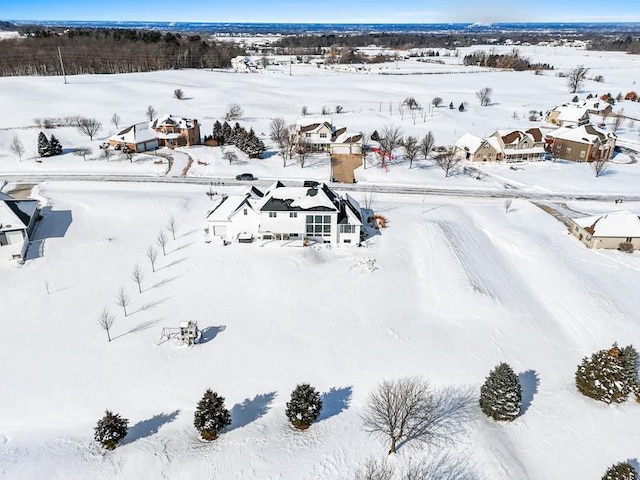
(450, 289)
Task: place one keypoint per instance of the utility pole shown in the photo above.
(62, 66)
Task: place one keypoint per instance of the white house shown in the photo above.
(567, 115)
(608, 230)
(244, 64)
(322, 136)
(312, 213)
(17, 222)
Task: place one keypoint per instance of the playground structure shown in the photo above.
(187, 333)
(385, 157)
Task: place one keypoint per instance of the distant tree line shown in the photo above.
(101, 50)
(512, 61)
(627, 44)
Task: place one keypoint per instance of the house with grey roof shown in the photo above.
(312, 213)
(17, 222)
(321, 135)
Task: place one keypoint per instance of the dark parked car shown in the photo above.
(245, 176)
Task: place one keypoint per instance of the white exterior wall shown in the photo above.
(15, 240)
(354, 237)
(282, 223)
(346, 148)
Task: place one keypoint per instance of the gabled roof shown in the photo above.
(227, 206)
(138, 133)
(173, 121)
(346, 137)
(588, 134)
(17, 214)
(312, 124)
(470, 143)
(619, 224)
(292, 199)
(535, 133)
(571, 113)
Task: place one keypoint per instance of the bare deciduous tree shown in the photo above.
(443, 467)
(82, 152)
(407, 410)
(305, 110)
(150, 113)
(507, 205)
(89, 127)
(137, 276)
(152, 255)
(303, 149)
(427, 143)
(339, 108)
(106, 152)
(325, 110)
(172, 226)
(162, 242)
(390, 138)
(484, 96)
(178, 93)
(436, 102)
(106, 320)
(234, 112)
(17, 147)
(411, 149)
(447, 160)
(410, 102)
(374, 470)
(230, 156)
(115, 120)
(576, 78)
(364, 148)
(617, 122)
(123, 300)
(600, 166)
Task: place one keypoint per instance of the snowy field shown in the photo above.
(450, 289)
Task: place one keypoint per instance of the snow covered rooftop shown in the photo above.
(621, 224)
(138, 133)
(226, 207)
(583, 133)
(572, 113)
(16, 214)
(173, 121)
(470, 143)
(309, 124)
(282, 198)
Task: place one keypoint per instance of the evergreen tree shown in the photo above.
(211, 416)
(621, 471)
(501, 394)
(217, 132)
(451, 107)
(304, 407)
(630, 369)
(461, 107)
(43, 145)
(55, 148)
(110, 430)
(602, 377)
(225, 133)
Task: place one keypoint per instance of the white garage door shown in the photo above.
(220, 231)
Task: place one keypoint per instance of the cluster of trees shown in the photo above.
(627, 44)
(511, 61)
(212, 417)
(247, 141)
(104, 50)
(48, 147)
(288, 142)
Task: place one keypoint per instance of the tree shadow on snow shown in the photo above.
(146, 428)
(335, 401)
(529, 382)
(250, 410)
(209, 333)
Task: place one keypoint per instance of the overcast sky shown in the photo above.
(326, 11)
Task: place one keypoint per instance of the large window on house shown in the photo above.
(347, 229)
(318, 225)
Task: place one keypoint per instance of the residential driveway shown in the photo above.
(343, 166)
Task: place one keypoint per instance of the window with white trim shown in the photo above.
(293, 214)
(273, 214)
(318, 225)
(347, 229)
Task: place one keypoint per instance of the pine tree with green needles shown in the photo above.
(501, 394)
(43, 145)
(630, 370)
(604, 377)
(55, 148)
(110, 430)
(304, 407)
(217, 132)
(211, 416)
(621, 471)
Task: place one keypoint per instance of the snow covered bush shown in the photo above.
(621, 471)
(609, 375)
(110, 430)
(501, 394)
(304, 407)
(211, 416)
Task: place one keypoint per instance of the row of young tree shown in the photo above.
(510, 61)
(247, 141)
(86, 51)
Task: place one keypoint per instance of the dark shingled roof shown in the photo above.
(24, 209)
(536, 134)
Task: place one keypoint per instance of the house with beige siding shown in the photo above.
(477, 149)
(584, 143)
(136, 138)
(568, 114)
(519, 145)
(322, 136)
(608, 230)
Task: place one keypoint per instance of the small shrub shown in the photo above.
(339, 108)
(178, 93)
(110, 430)
(304, 110)
(621, 471)
(626, 247)
(633, 96)
(598, 78)
(325, 110)
(304, 407)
